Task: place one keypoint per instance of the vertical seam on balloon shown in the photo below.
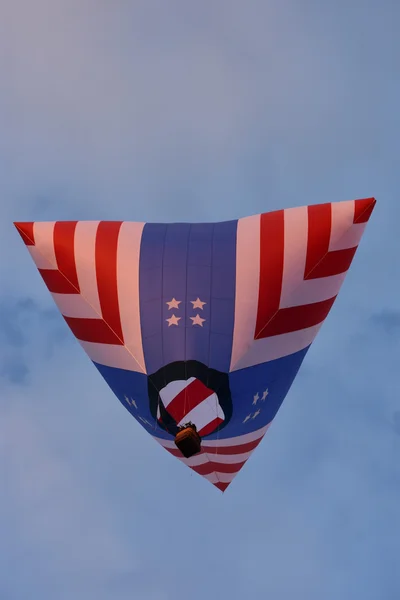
(234, 300)
(209, 337)
(210, 303)
(234, 294)
(186, 312)
(162, 293)
(161, 322)
(209, 317)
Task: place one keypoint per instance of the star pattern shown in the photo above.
(173, 303)
(198, 303)
(130, 401)
(197, 320)
(173, 320)
(251, 416)
(256, 399)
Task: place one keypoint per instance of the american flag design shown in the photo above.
(190, 401)
(208, 322)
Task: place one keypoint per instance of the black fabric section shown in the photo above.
(215, 380)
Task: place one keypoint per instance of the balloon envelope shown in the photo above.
(201, 322)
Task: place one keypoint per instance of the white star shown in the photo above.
(247, 418)
(145, 421)
(173, 320)
(198, 303)
(130, 401)
(197, 320)
(256, 399)
(265, 394)
(173, 304)
(256, 414)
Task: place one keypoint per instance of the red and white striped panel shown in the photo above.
(290, 267)
(91, 269)
(192, 401)
(221, 460)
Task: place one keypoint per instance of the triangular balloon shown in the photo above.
(206, 323)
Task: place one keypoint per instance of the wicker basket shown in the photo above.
(188, 441)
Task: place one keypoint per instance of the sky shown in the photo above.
(172, 110)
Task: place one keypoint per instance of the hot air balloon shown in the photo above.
(200, 329)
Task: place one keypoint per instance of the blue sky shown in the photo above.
(176, 110)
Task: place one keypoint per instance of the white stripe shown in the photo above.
(316, 290)
(110, 356)
(345, 233)
(43, 234)
(239, 440)
(74, 305)
(342, 230)
(247, 286)
(277, 346)
(351, 238)
(204, 458)
(128, 258)
(220, 477)
(295, 253)
(205, 412)
(84, 250)
(41, 260)
(172, 389)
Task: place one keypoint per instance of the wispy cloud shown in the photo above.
(22, 321)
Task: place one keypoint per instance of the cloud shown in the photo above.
(62, 534)
(112, 95)
(182, 111)
(24, 325)
(387, 320)
(396, 421)
(54, 518)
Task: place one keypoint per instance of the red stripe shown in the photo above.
(92, 330)
(56, 282)
(272, 231)
(319, 234)
(221, 486)
(363, 209)
(210, 427)
(190, 397)
(334, 263)
(106, 272)
(231, 450)
(295, 318)
(25, 230)
(64, 240)
(213, 467)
